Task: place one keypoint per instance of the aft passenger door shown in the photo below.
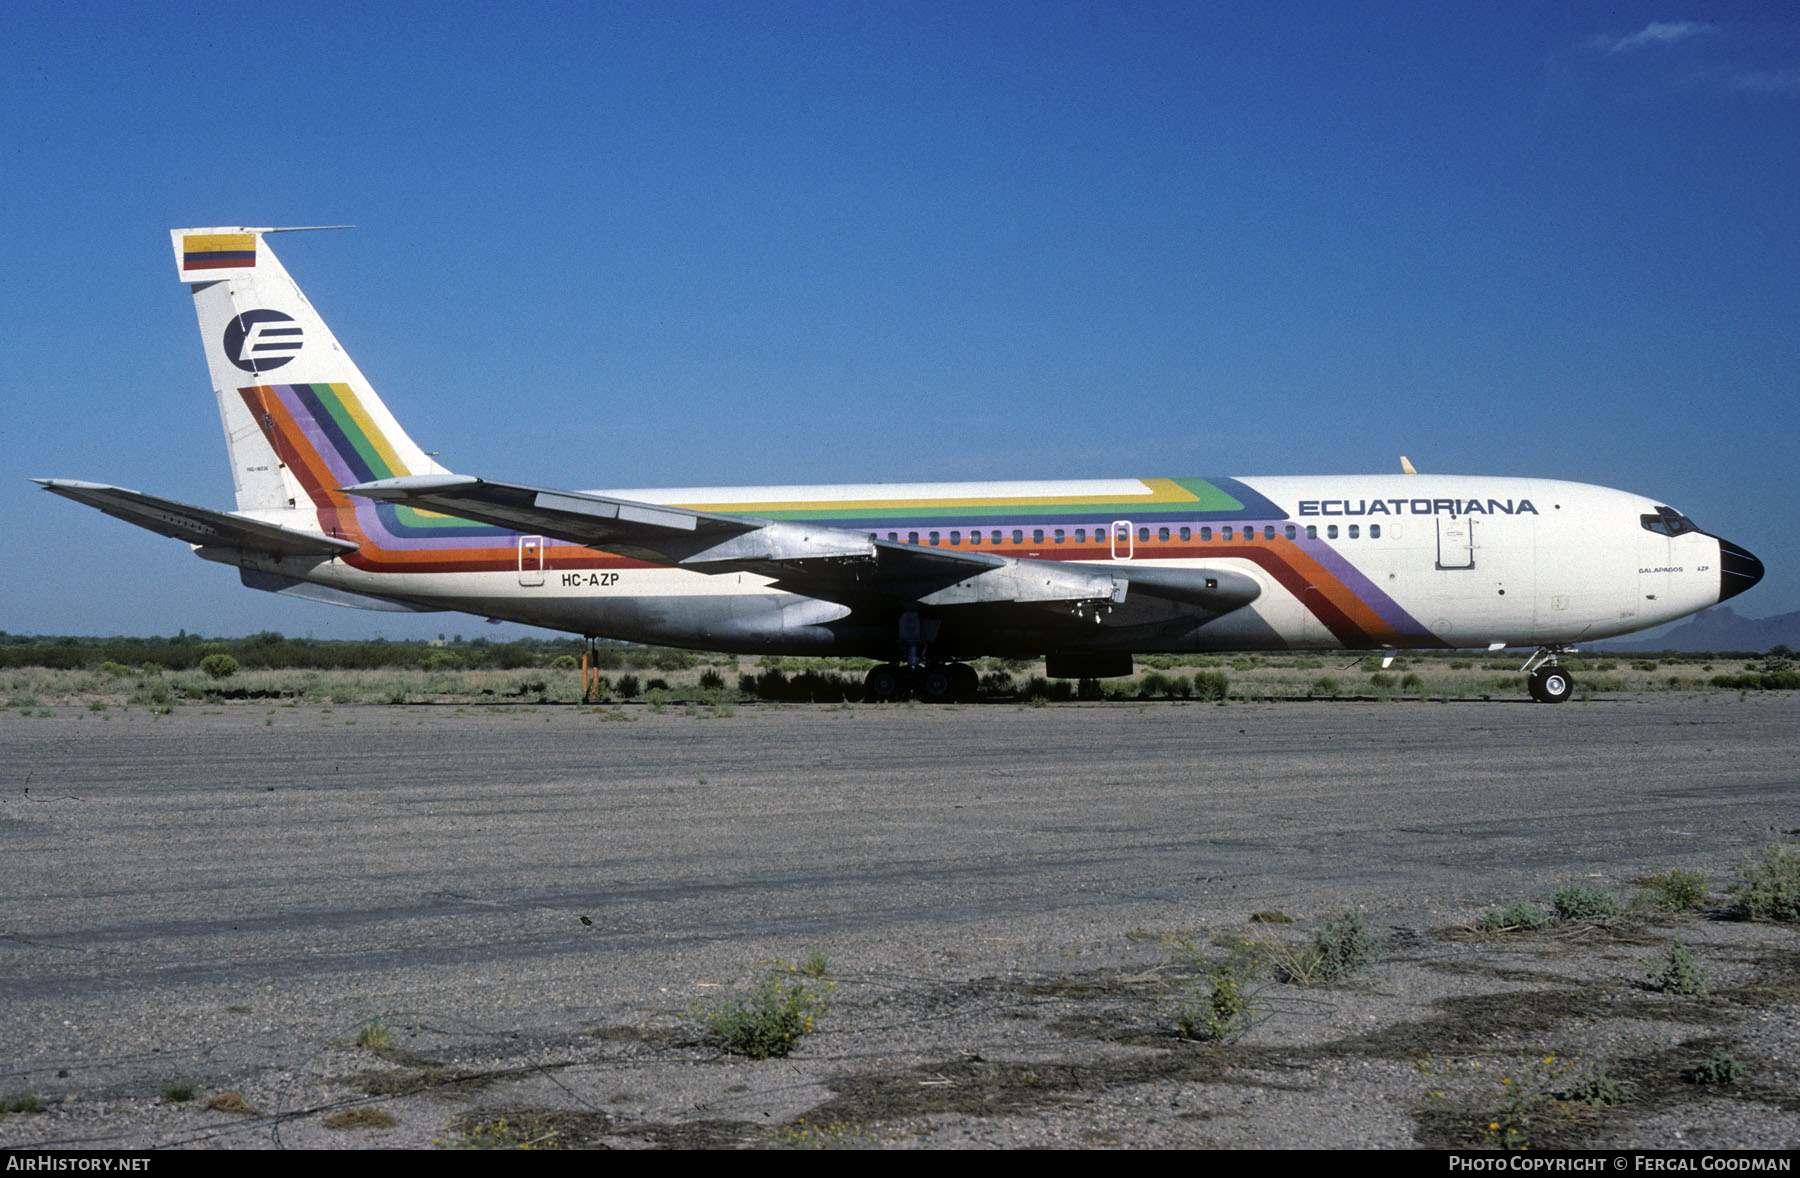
(531, 560)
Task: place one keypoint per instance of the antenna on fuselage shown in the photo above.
(1405, 466)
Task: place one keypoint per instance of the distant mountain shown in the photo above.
(1719, 628)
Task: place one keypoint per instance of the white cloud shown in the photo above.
(1655, 33)
(1768, 81)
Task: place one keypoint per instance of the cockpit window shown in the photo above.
(1667, 522)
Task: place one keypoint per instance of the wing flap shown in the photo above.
(700, 540)
(199, 526)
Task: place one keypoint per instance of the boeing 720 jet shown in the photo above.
(335, 502)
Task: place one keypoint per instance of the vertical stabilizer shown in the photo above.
(264, 342)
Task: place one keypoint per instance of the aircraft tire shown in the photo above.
(885, 684)
(937, 685)
(1551, 685)
(967, 682)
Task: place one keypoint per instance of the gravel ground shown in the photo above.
(535, 900)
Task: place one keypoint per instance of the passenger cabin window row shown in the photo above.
(1227, 533)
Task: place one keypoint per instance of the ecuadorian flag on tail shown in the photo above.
(203, 255)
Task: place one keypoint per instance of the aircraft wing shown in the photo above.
(833, 564)
(199, 526)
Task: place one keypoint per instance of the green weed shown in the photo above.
(21, 1100)
(1721, 1067)
(1341, 948)
(374, 1036)
(1677, 890)
(1227, 1007)
(768, 1021)
(180, 1091)
(1514, 917)
(1677, 973)
(1583, 902)
(502, 1133)
(1599, 1089)
(835, 1135)
(1771, 886)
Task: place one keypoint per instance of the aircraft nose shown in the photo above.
(1738, 570)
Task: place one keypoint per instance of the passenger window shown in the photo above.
(1355, 530)
(1374, 531)
(995, 537)
(912, 537)
(1268, 531)
(1144, 535)
(1059, 535)
(1331, 531)
(1290, 531)
(893, 536)
(1186, 535)
(1162, 535)
(1312, 531)
(955, 539)
(1205, 535)
(1225, 532)
(975, 538)
(1037, 535)
(1018, 535)
(934, 539)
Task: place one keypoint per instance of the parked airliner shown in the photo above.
(336, 502)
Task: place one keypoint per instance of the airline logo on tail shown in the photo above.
(258, 341)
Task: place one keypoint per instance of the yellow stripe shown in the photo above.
(208, 243)
(347, 397)
(1162, 491)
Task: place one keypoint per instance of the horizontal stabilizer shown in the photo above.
(308, 591)
(197, 525)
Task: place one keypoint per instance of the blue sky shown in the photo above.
(663, 244)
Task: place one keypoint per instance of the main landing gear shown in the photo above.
(1549, 683)
(935, 683)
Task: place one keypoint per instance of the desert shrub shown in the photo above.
(1211, 686)
(1678, 890)
(1517, 915)
(219, 666)
(1676, 973)
(1339, 949)
(1227, 1006)
(1771, 886)
(1583, 902)
(768, 1021)
(1721, 1067)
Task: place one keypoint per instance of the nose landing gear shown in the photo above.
(1549, 683)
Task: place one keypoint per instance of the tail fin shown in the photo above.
(300, 419)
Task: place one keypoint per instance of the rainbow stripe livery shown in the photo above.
(336, 502)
